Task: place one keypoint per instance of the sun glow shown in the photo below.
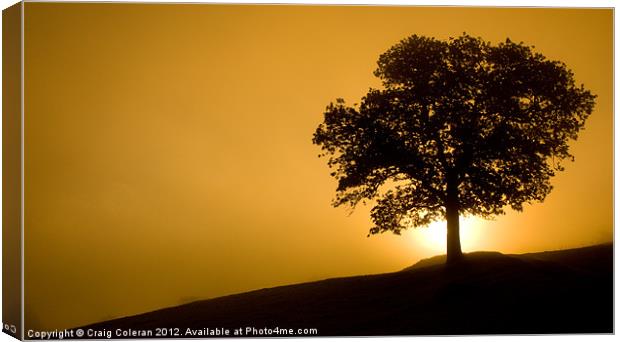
(433, 237)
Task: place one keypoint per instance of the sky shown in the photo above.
(168, 152)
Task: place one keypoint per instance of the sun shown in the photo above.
(433, 237)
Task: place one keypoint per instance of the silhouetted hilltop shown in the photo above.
(568, 291)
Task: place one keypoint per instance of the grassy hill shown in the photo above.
(568, 291)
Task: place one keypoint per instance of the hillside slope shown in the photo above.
(569, 291)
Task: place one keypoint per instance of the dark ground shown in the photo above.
(568, 291)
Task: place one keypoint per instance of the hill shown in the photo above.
(568, 291)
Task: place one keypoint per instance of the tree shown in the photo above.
(459, 127)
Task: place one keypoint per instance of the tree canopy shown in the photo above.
(460, 124)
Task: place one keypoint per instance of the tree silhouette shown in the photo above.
(460, 127)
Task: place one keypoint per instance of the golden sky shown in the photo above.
(168, 152)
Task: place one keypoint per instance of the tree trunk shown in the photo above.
(454, 253)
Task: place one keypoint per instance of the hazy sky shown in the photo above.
(168, 149)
